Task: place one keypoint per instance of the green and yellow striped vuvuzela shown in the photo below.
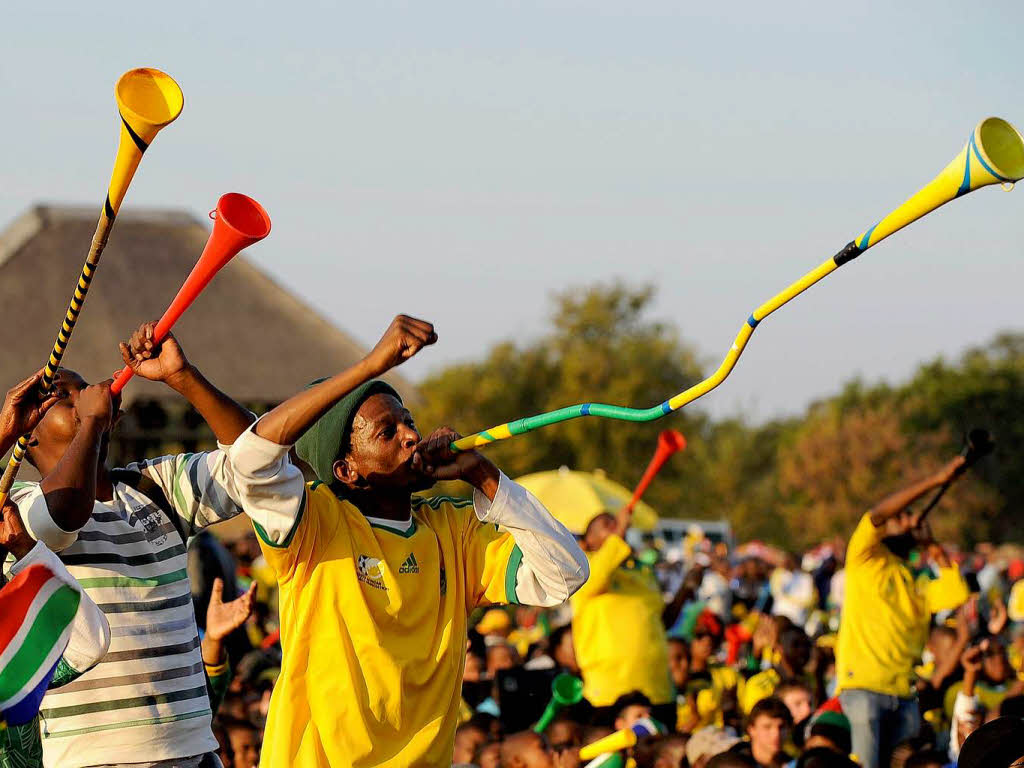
(994, 154)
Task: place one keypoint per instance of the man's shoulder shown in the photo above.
(22, 488)
(151, 462)
(322, 503)
(440, 503)
(443, 512)
(322, 494)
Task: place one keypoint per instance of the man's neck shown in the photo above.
(761, 758)
(390, 504)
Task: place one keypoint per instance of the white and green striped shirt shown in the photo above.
(146, 700)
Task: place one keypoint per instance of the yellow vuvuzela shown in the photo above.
(147, 100)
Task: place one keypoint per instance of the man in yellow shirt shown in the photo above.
(617, 623)
(885, 618)
(376, 585)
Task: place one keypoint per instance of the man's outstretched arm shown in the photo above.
(289, 421)
(895, 503)
(267, 485)
(166, 362)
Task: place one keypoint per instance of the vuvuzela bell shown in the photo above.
(994, 154)
(147, 100)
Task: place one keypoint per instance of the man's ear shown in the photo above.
(346, 474)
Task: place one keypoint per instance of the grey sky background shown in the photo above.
(461, 160)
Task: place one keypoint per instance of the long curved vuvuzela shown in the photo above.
(147, 100)
(994, 154)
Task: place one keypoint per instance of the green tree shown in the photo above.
(737, 478)
(845, 457)
(985, 388)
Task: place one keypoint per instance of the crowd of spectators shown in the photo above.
(748, 676)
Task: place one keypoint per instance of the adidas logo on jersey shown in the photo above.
(410, 565)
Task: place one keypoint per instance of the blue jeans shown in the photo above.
(878, 723)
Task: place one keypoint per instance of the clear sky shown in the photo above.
(461, 160)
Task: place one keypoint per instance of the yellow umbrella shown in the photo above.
(576, 498)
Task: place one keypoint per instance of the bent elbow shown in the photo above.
(69, 508)
(553, 588)
(576, 577)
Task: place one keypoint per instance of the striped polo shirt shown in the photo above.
(146, 699)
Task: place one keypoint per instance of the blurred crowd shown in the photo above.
(589, 642)
(746, 674)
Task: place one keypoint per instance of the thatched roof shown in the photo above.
(251, 337)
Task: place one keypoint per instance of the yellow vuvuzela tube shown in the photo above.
(147, 100)
(614, 742)
(994, 154)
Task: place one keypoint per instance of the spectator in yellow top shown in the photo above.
(618, 627)
(376, 584)
(885, 619)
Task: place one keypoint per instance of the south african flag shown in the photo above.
(37, 610)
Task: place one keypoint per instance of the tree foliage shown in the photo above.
(840, 461)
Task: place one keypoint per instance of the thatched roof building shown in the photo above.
(251, 337)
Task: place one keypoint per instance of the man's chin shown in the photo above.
(406, 479)
(901, 545)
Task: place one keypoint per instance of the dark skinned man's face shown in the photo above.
(900, 534)
(599, 529)
(60, 424)
(900, 524)
(383, 441)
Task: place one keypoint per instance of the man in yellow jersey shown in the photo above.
(885, 619)
(617, 623)
(376, 585)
